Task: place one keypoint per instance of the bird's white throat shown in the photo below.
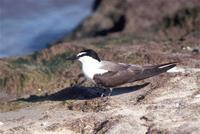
(91, 66)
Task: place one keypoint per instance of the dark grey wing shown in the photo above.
(149, 71)
(118, 74)
(114, 67)
(131, 74)
(112, 79)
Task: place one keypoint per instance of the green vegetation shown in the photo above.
(114, 41)
(56, 64)
(52, 65)
(33, 72)
(20, 62)
(35, 55)
(3, 82)
(23, 78)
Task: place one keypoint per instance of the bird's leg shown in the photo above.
(103, 93)
(80, 80)
(110, 91)
(104, 90)
(100, 87)
(79, 83)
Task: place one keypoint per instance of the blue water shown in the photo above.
(30, 25)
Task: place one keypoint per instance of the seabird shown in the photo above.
(108, 74)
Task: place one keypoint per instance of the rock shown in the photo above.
(135, 17)
(1, 123)
(170, 104)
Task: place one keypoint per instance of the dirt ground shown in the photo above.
(168, 103)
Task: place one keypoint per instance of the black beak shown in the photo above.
(73, 57)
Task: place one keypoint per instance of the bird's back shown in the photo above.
(119, 73)
(111, 66)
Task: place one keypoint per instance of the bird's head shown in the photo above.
(84, 56)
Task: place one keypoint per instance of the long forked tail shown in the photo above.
(149, 71)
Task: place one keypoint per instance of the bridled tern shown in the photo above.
(109, 74)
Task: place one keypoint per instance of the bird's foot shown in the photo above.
(102, 95)
(109, 94)
(106, 97)
(105, 94)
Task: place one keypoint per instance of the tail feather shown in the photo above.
(149, 71)
(166, 65)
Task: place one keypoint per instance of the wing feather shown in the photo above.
(111, 66)
(119, 73)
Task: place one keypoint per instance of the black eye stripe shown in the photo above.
(89, 53)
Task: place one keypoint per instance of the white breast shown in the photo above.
(89, 72)
(90, 67)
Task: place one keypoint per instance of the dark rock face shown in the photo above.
(96, 4)
(136, 17)
(118, 26)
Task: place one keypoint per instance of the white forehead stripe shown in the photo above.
(81, 53)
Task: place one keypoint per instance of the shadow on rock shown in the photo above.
(80, 93)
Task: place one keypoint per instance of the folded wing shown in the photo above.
(119, 74)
